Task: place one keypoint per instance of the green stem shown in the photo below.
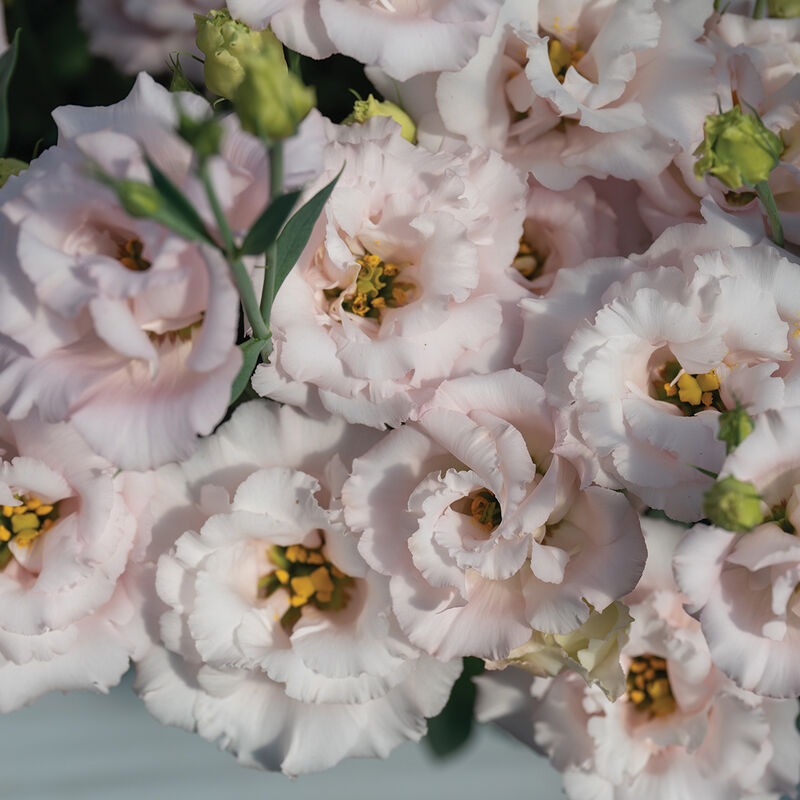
(758, 11)
(219, 214)
(275, 151)
(240, 275)
(245, 286)
(768, 201)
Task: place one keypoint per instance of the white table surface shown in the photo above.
(85, 746)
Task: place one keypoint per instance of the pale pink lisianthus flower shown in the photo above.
(757, 68)
(482, 531)
(69, 617)
(590, 89)
(112, 322)
(401, 37)
(659, 353)
(140, 35)
(562, 230)
(743, 587)
(406, 279)
(276, 638)
(681, 730)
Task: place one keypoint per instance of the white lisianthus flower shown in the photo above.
(403, 38)
(277, 638)
(404, 282)
(660, 353)
(69, 616)
(481, 529)
(140, 35)
(116, 323)
(592, 88)
(681, 730)
(743, 587)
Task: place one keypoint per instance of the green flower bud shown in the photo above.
(224, 42)
(138, 199)
(365, 109)
(271, 101)
(735, 426)
(734, 505)
(786, 9)
(9, 167)
(204, 135)
(738, 149)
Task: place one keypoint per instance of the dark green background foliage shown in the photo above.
(55, 68)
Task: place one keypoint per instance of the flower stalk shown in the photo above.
(768, 200)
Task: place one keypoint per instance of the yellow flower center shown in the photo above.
(129, 254)
(307, 576)
(377, 287)
(647, 686)
(24, 524)
(691, 393)
(563, 57)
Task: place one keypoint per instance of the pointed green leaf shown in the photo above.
(294, 237)
(8, 61)
(450, 730)
(177, 212)
(250, 350)
(266, 228)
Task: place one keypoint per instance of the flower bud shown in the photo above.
(735, 426)
(224, 42)
(366, 109)
(271, 101)
(138, 199)
(9, 167)
(734, 505)
(785, 9)
(738, 149)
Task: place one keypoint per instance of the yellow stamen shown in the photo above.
(670, 390)
(5, 533)
(282, 575)
(297, 552)
(321, 580)
(648, 687)
(689, 389)
(41, 510)
(303, 586)
(708, 381)
(24, 522)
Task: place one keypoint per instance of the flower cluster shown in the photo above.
(298, 415)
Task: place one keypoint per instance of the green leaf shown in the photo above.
(294, 237)
(177, 212)
(250, 350)
(266, 228)
(8, 61)
(451, 730)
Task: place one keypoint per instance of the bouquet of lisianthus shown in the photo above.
(314, 422)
